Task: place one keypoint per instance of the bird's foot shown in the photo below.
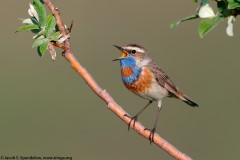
(151, 135)
(133, 119)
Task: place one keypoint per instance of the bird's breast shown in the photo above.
(127, 71)
(142, 83)
(145, 85)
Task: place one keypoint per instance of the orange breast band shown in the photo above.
(143, 83)
(126, 71)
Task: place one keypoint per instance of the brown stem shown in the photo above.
(105, 96)
(59, 46)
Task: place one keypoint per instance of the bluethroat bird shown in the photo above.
(142, 76)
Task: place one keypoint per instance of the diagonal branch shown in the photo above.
(105, 96)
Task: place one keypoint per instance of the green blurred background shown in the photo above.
(46, 109)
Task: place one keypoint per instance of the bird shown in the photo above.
(142, 76)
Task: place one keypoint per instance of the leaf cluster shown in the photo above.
(225, 9)
(42, 25)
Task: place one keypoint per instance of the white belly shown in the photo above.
(155, 92)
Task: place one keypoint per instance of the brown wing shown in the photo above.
(162, 78)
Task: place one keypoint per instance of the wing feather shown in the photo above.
(162, 78)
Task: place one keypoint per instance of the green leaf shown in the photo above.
(39, 42)
(28, 27)
(36, 31)
(232, 4)
(203, 2)
(35, 21)
(50, 25)
(55, 37)
(221, 6)
(27, 21)
(41, 12)
(42, 49)
(175, 24)
(206, 25)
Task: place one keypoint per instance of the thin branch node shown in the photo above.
(163, 143)
(57, 10)
(63, 53)
(109, 105)
(64, 38)
(102, 91)
(71, 26)
(60, 46)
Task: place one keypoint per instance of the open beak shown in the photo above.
(124, 53)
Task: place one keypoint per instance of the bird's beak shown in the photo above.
(124, 53)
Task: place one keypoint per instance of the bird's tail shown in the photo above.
(186, 99)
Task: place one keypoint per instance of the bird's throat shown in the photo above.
(130, 73)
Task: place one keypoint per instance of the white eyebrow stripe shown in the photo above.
(134, 48)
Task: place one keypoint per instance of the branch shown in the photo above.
(105, 96)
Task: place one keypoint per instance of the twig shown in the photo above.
(105, 96)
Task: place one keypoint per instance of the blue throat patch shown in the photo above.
(130, 62)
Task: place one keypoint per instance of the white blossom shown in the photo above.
(206, 11)
(229, 28)
(32, 12)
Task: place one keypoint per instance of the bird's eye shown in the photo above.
(133, 51)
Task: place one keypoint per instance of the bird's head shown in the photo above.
(133, 54)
